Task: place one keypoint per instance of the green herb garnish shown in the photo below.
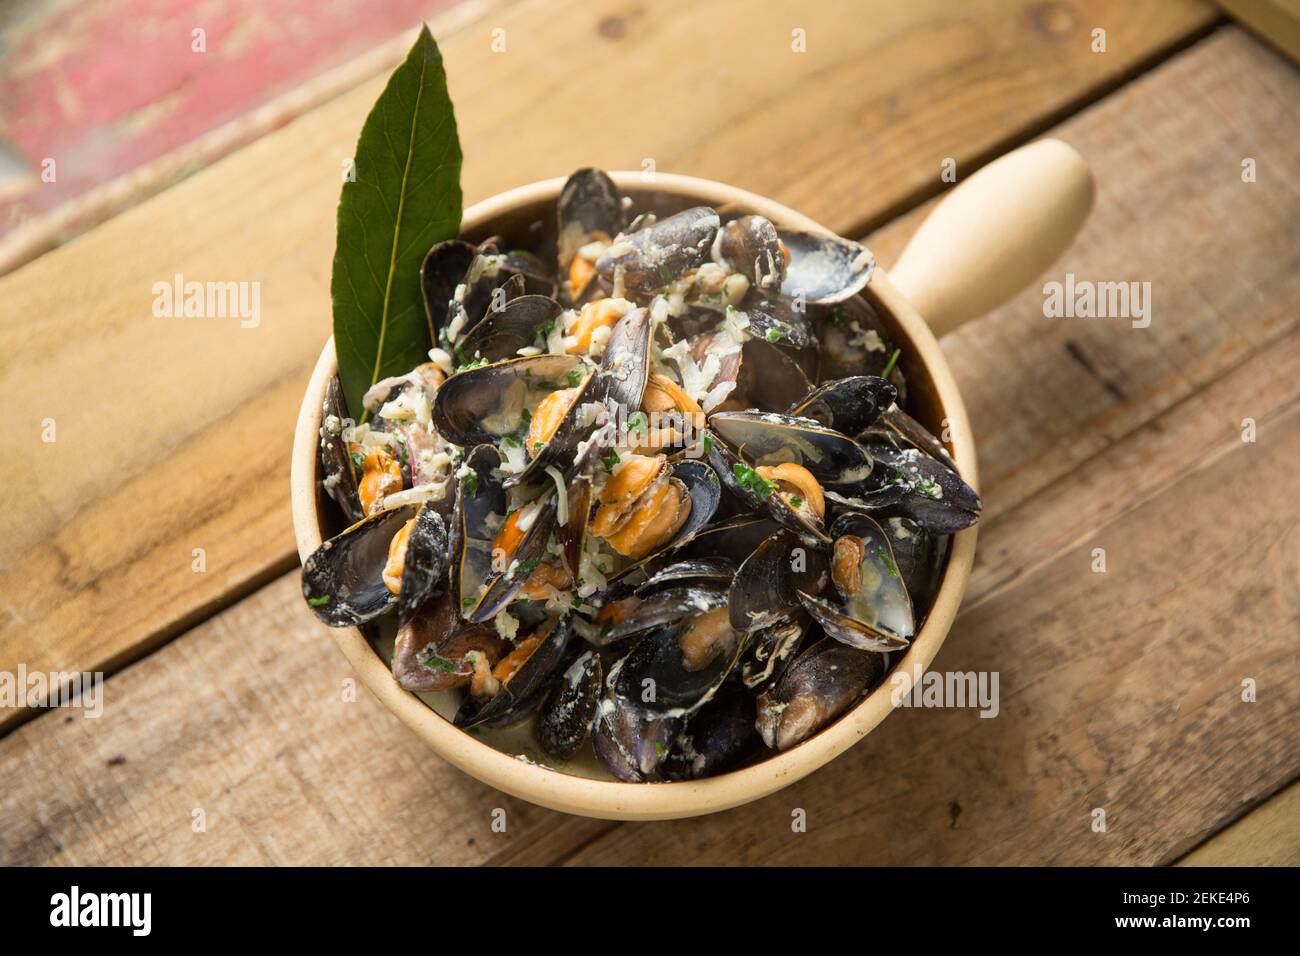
(889, 366)
(747, 477)
(774, 335)
(320, 601)
(574, 377)
(470, 484)
(609, 460)
(439, 663)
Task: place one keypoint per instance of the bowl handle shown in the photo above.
(995, 233)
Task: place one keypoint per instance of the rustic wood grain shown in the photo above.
(1268, 836)
(1119, 691)
(173, 434)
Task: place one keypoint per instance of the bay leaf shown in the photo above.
(404, 198)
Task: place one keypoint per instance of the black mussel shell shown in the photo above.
(484, 405)
(343, 579)
(720, 736)
(443, 269)
(715, 570)
(825, 269)
(523, 323)
(424, 572)
(665, 607)
(774, 319)
(751, 246)
(765, 589)
(649, 260)
(848, 405)
(589, 203)
(625, 364)
(908, 483)
(766, 438)
(771, 650)
(631, 743)
(340, 481)
(429, 654)
(823, 682)
(655, 676)
(523, 693)
(876, 614)
(570, 708)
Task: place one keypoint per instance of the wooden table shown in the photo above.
(1120, 691)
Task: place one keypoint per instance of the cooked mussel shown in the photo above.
(820, 685)
(874, 610)
(651, 259)
(512, 689)
(568, 712)
(343, 580)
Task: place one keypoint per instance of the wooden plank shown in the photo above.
(1267, 836)
(173, 434)
(1069, 726)
(1275, 21)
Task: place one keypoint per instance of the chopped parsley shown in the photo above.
(470, 484)
(358, 460)
(888, 562)
(795, 501)
(574, 377)
(748, 478)
(636, 423)
(928, 487)
(708, 444)
(774, 335)
(439, 663)
(527, 567)
(889, 366)
(319, 601)
(609, 460)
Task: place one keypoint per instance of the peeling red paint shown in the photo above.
(106, 87)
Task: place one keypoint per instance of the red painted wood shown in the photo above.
(107, 86)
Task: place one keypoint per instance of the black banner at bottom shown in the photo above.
(340, 905)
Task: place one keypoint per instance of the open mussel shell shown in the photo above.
(911, 484)
(705, 492)
(874, 610)
(483, 582)
(522, 323)
(900, 428)
(569, 710)
(524, 691)
(848, 405)
(767, 438)
(429, 653)
(343, 579)
(657, 256)
(751, 246)
(774, 319)
(659, 675)
(492, 402)
(657, 609)
(444, 268)
(531, 272)
(669, 571)
(765, 589)
(718, 737)
(765, 376)
(738, 535)
(820, 685)
(340, 481)
(629, 742)
(728, 464)
(825, 269)
(919, 556)
(589, 203)
(771, 650)
(424, 570)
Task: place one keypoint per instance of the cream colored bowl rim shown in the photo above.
(647, 801)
